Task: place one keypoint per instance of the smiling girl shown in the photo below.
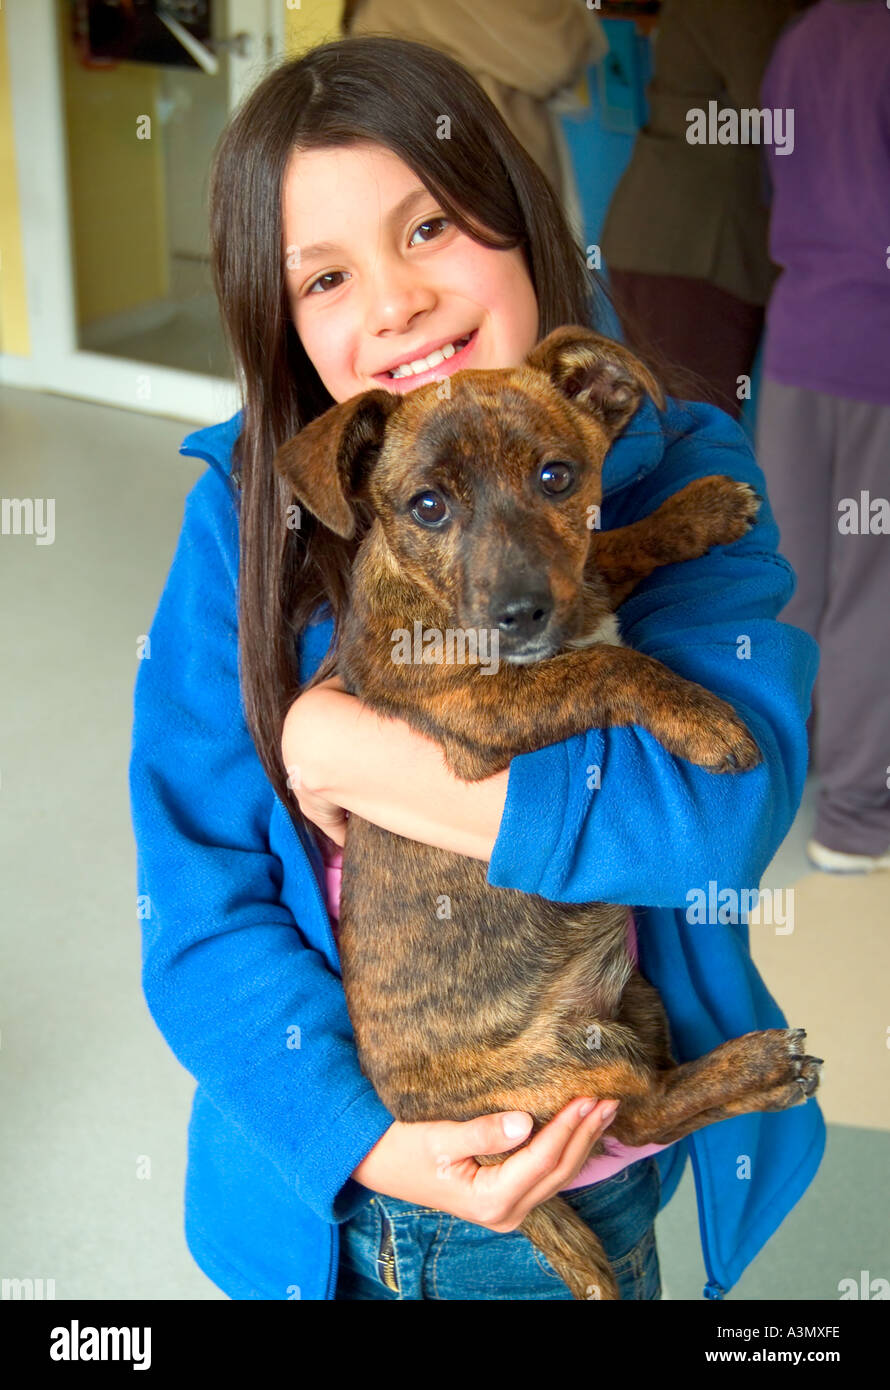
(375, 224)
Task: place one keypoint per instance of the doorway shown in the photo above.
(114, 200)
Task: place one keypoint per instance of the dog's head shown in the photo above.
(484, 499)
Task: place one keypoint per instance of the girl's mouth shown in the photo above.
(442, 362)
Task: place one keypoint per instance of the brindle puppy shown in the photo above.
(476, 513)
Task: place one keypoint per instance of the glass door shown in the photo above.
(113, 171)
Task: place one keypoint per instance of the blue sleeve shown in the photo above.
(226, 971)
(658, 826)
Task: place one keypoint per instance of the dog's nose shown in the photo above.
(523, 616)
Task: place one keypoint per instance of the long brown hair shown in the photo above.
(392, 92)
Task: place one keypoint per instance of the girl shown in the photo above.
(368, 205)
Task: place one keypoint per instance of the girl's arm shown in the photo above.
(352, 759)
(610, 815)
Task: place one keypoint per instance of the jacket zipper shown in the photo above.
(331, 1279)
(712, 1289)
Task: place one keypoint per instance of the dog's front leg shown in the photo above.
(518, 709)
(708, 511)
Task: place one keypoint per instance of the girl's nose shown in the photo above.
(397, 299)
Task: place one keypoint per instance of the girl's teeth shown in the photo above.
(424, 364)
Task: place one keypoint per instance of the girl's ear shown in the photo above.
(596, 372)
(328, 462)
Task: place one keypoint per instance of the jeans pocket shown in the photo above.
(637, 1272)
(615, 1181)
(621, 1211)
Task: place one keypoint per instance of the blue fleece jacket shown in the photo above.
(239, 964)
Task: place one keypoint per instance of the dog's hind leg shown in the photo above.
(767, 1070)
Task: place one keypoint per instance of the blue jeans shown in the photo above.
(399, 1250)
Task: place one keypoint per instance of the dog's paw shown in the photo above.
(776, 1059)
(749, 504)
(717, 509)
(722, 743)
(739, 754)
(736, 509)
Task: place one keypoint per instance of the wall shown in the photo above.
(14, 336)
(116, 183)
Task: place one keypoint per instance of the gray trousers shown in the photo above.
(816, 450)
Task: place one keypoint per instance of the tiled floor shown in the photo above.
(90, 1090)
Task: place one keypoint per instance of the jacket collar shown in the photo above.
(214, 444)
(634, 453)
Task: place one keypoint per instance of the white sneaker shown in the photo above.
(833, 861)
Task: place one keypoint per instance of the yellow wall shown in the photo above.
(316, 21)
(14, 336)
(115, 183)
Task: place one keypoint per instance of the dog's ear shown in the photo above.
(597, 373)
(327, 463)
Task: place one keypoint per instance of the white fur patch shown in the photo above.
(606, 631)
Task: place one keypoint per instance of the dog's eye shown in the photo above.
(429, 509)
(556, 478)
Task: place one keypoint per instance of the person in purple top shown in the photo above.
(823, 426)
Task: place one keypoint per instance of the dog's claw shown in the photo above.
(808, 1084)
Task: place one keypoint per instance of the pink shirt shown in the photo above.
(605, 1165)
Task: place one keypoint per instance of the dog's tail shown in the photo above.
(573, 1249)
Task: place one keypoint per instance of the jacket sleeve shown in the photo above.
(226, 972)
(609, 815)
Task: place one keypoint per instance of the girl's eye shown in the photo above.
(556, 478)
(318, 287)
(430, 222)
(327, 275)
(429, 508)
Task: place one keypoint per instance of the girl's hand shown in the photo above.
(343, 757)
(433, 1163)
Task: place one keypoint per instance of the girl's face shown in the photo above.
(377, 276)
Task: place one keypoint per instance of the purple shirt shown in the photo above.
(828, 321)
